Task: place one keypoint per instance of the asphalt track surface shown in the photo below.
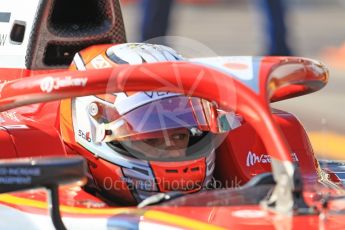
(234, 28)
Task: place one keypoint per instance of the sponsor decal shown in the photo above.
(24, 171)
(49, 84)
(18, 175)
(156, 94)
(85, 136)
(3, 38)
(100, 63)
(253, 158)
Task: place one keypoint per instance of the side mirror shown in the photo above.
(294, 78)
(48, 172)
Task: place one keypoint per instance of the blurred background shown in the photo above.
(315, 29)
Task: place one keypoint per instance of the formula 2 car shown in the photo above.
(273, 177)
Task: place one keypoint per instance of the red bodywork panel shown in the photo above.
(31, 130)
(23, 137)
(243, 154)
(6, 145)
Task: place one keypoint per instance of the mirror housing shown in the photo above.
(29, 173)
(47, 172)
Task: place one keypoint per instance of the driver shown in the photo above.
(138, 144)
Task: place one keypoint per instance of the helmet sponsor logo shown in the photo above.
(156, 94)
(49, 84)
(253, 158)
(85, 136)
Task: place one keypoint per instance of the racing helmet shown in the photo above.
(138, 144)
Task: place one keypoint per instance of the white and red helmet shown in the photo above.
(139, 143)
